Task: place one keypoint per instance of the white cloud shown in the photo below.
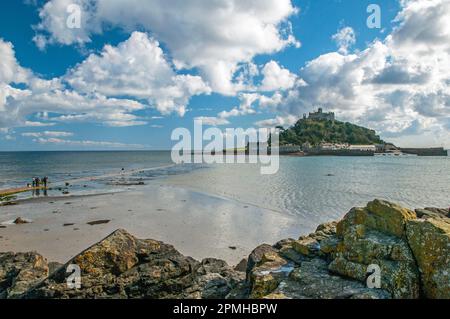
(86, 143)
(10, 73)
(284, 121)
(245, 107)
(72, 106)
(136, 68)
(276, 77)
(247, 101)
(212, 121)
(10, 70)
(37, 124)
(344, 39)
(271, 102)
(47, 134)
(214, 36)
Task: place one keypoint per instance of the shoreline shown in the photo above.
(198, 224)
(89, 178)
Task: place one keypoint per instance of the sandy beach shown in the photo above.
(197, 224)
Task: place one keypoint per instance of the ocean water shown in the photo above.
(307, 187)
(318, 189)
(18, 168)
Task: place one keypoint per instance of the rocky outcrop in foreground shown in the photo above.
(410, 250)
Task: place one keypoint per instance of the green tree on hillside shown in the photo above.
(318, 131)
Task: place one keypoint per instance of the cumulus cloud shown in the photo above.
(284, 121)
(138, 68)
(10, 73)
(106, 88)
(52, 96)
(213, 36)
(276, 77)
(344, 39)
(10, 70)
(246, 107)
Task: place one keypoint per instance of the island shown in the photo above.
(320, 133)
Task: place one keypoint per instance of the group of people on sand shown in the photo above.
(38, 182)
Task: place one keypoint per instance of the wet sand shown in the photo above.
(197, 224)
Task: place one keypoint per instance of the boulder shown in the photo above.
(241, 266)
(431, 212)
(20, 220)
(122, 266)
(19, 272)
(376, 235)
(441, 211)
(385, 217)
(307, 246)
(265, 270)
(430, 243)
(313, 280)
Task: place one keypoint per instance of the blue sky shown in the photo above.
(260, 64)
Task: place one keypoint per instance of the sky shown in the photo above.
(132, 71)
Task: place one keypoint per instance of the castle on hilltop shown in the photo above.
(320, 115)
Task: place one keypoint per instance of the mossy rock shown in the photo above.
(379, 215)
(430, 243)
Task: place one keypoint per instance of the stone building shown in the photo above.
(320, 115)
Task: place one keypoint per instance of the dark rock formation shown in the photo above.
(20, 220)
(121, 266)
(19, 272)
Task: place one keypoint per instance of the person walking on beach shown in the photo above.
(33, 183)
(38, 181)
(44, 181)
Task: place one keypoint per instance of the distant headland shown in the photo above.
(320, 133)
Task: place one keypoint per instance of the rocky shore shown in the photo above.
(410, 248)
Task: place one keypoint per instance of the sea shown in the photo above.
(303, 186)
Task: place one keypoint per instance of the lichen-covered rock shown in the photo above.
(19, 272)
(388, 218)
(321, 243)
(441, 211)
(431, 212)
(325, 230)
(121, 266)
(430, 242)
(376, 235)
(299, 269)
(361, 246)
(306, 246)
(265, 270)
(313, 280)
